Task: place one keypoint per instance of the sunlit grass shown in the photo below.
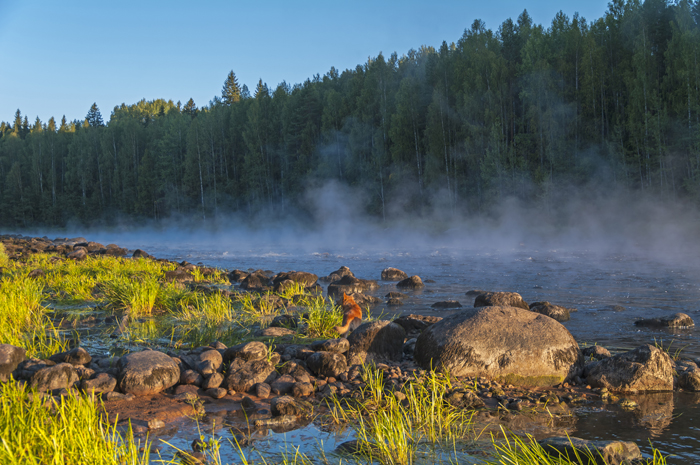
(4, 259)
(69, 430)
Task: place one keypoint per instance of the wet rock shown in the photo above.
(689, 380)
(61, 376)
(506, 344)
(255, 282)
(505, 299)
(243, 378)
(596, 352)
(302, 389)
(236, 276)
(678, 320)
(393, 274)
(286, 405)
(191, 377)
(274, 331)
(285, 321)
(376, 341)
(77, 356)
(338, 346)
(299, 277)
(447, 304)
(78, 254)
(414, 282)
(247, 351)
(475, 292)
(603, 452)
(138, 253)
(186, 389)
(147, 372)
(327, 363)
(364, 300)
(394, 302)
(464, 399)
(552, 311)
(213, 381)
(351, 285)
(38, 273)
(395, 295)
(103, 382)
(645, 368)
(416, 324)
(10, 358)
(216, 393)
(155, 423)
(283, 385)
(337, 275)
(191, 458)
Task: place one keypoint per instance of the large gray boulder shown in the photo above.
(10, 357)
(376, 341)
(506, 344)
(645, 368)
(147, 372)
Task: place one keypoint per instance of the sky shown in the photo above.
(57, 58)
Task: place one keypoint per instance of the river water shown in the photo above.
(609, 290)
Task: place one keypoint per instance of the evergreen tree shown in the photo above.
(231, 92)
(94, 117)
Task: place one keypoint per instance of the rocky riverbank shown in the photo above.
(502, 357)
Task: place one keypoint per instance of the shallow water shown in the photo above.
(591, 282)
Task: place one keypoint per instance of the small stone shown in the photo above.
(155, 423)
(216, 393)
(262, 390)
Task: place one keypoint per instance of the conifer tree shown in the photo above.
(94, 117)
(231, 92)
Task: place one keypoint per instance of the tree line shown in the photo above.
(517, 112)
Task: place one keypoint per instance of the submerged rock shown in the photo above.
(393, 274)
(502, 343)
(645, 368)
(351, 285)
(552, 311)
(414, 282)
(679, 320)
(602, 452)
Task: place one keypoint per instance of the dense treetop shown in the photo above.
(521, 111)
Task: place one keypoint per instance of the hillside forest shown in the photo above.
(525, 111)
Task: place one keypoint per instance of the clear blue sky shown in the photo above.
(58, 58)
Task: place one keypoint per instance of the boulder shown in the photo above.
(376, 341)
(602, 452)
(414, 282)
(147, 372)
(138, 253)
(350, 285)
(552, 311)
(61, 376)
(236, 276)
(78, 254)
(337, 275)
(255, 282)
(645, 368)
(283, 385)
(679, 320)
(446, 304)
(103, 382)
(299, 277)
(327, 364)
(286, 405)
(247, 351)
(10, 357)
(689, 380)
(213, 381)
(506, 344)
(338, 346)
(416, 324)
(77, 356)
(393, 274)
(247, 375)
(504, 299)
(596, 352)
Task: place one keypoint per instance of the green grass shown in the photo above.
(71, 430)
(4, 260)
